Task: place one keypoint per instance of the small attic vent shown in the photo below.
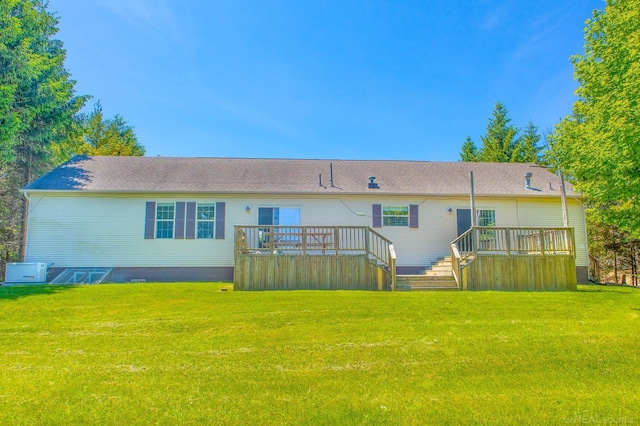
(527, 180)
(372, 183)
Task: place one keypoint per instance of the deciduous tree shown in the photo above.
(598, 146)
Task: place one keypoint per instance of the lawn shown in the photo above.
(191, 354)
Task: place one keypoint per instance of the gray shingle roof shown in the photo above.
(250, 175)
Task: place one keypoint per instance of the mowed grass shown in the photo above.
(191, 354)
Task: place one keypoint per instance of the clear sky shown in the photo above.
(346, 79)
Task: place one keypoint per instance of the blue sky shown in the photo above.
(341, 79)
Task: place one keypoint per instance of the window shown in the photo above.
(184, 220)
(165, 215)
(279, 216)
(487, 237)
(205, 218)
(486, 217)
(395, 215)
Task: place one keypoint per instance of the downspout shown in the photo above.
(25, 227)
(565, 213)
(473, 201)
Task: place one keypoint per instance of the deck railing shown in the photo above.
(273, 240)
(509, 241)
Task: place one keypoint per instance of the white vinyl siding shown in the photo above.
(70, 231)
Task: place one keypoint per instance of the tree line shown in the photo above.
(41, 120)
(596, 147)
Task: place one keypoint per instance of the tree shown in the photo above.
(501, 137)
(598, 146)
(501, 144)
(37, 100)
(94, 135)
(527, 149)
(469, 150)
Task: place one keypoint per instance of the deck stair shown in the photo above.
(437, 276)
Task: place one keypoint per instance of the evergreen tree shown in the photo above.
(469, 151)
(95, 135)
(499, 142)
(37, 100)
(527, 149)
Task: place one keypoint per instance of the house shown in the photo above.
(175, 219)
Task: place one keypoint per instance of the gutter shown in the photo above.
(332, 194)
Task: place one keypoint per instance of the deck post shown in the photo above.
(508, 240)
(541, 234)
(304, 240)
(336, 240)
(367, 247)
(271, 240)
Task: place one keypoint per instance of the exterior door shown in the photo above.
(277, 216)
(464, 220)
(464, 224)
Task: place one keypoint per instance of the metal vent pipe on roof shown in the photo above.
(372, 183)
(527, 180)
(331, 173)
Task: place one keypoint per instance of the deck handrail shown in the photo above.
(316, 240)
(509, 241)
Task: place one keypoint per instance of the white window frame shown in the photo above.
(482, 221)
(163, 220)
(200, 220)
(385, 216)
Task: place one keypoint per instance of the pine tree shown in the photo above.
(469, 151)
(37, 100)
(499, 142)
(527, 149)
(95, 135)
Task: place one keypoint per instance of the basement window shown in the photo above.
(165, 216)
(395, 215)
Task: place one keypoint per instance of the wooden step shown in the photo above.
(425, 282)
(444, 273)
(427, 288)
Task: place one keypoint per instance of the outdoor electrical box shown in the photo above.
(26, 273)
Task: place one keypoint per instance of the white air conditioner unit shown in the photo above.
(26, 273)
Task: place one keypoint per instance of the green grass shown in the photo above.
(190, 354)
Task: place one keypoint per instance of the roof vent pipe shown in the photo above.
(527, 180)
(331, 173)
(372, 183)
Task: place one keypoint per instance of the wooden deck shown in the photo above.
(516, 259)
(312, 257)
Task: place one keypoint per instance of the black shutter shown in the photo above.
(377, 215)
(150, 220)
(220, 207)
(179, 220)
(191, 221)
(413, 216)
